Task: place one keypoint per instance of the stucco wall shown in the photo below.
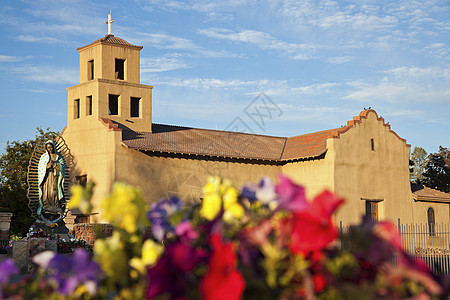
(92, 145)
(159, 177)
(104, 62)
(441, 212)
(315, 175)
(380, 174)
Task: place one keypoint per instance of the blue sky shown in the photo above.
(318, 62)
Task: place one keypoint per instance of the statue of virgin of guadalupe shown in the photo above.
(51, 180)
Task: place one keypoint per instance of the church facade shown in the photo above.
(112, 138)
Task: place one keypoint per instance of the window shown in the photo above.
(81, 180)
(134, 107)
(431, 221)
(88, 105)
(372, 210)
(113, 105)
(120, 69)
(76, 109)
(82, 219)
(372, 144)
(91, 69)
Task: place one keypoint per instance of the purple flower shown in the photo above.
(71, 271)
(159, 216)
(264, 191)
(168, 275)
(7, 268)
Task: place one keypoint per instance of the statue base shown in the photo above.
(24, 251)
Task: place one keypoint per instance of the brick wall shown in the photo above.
(91, 231)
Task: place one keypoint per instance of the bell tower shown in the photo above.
(110, 86)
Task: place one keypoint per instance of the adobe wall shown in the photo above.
(160, 177)
(441, 212)
(92, 145)
(315, 175)
(379, 174)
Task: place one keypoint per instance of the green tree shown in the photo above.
(419, 157)
(13, 181)
(437, 171)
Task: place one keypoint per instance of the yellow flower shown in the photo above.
(211, 206)
(125, 208)
(81, 198)
(217, 192)
(111, 256)
(151, 251)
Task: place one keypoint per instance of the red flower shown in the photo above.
(313, 228)
(319, 282)
(222, 281)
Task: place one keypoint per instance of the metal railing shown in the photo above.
(429, 243)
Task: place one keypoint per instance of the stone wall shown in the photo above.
(5, 223)
(91, 231)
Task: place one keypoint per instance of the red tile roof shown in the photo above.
(111, 40)
(310, 145)
(426, 194)
(195, 141)
(186, 140)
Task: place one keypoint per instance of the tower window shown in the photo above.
(431, 221)
(372, 210)
(76, 109)
(134, 107)
(88, 105)
(120, 69)
(372, 144)
(113, 105)
(91, 69)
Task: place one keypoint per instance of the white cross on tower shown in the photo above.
(109, 22)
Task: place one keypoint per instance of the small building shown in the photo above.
(112, 138)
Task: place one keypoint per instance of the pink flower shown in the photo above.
(291, 196)
(222, 281)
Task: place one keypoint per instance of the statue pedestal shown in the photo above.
(23, 252)
(60, 228)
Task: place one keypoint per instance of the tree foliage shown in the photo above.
(419, 159)
(437, 171)
(13, 180)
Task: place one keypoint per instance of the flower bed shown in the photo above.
(264, 241)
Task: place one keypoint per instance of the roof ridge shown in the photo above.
(112, 40)
(228, 131)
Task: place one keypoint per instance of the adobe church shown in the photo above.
(112, 138)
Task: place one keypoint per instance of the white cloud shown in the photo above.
(164, 63)
(210, 83)
(7, 58)
(43, 91)
(339, 59)
(33, 39)
(404, 92)
(262, 40)
(416, 72)
(47, 74)
(164, 41)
